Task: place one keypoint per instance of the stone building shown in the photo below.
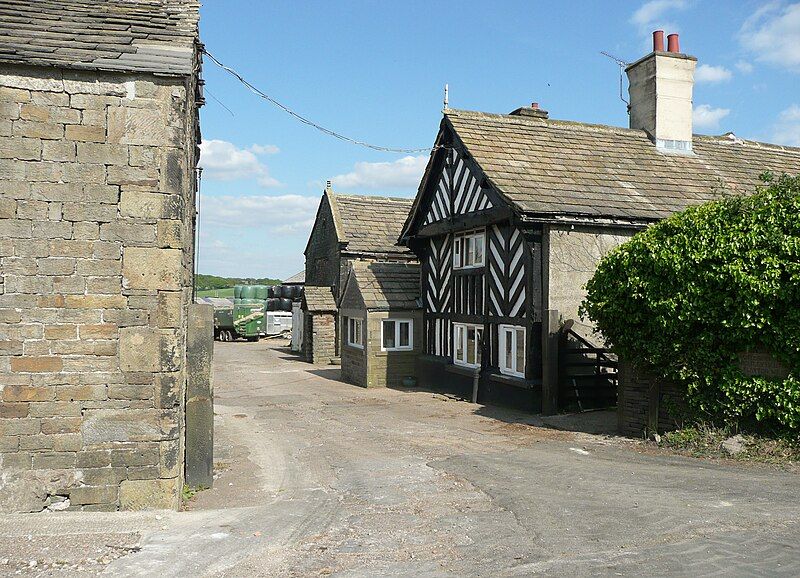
(319, 325)
(351, 227)
(381, 321)
(98, 148)
(514, 212)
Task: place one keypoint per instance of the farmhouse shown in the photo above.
(98, 148)
(381, 320)
(515, 210)
(349, 228)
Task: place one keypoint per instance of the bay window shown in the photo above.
(397, 335)
(512, 350)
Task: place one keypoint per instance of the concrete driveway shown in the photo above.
(317, 477)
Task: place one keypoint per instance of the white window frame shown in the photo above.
(502, 337)
(397, 322)
(352, 323)
(465, 327)
(461, 242)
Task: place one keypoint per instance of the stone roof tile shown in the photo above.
(371, 224)
(556, 167)
(319, 299)
(387, 286)
(155, 36)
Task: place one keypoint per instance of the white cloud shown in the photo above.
(404, 173)
(264, 149)
(791, 114)
(224, 161)
(712, 74)
(651, 15)
(772, 33)
(744, 67)
(286, 214)
(787, 130)
(708, 117)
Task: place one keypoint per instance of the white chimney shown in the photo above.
(661, 94)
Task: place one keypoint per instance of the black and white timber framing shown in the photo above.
(455, 197)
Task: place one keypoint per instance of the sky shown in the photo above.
(375, 72)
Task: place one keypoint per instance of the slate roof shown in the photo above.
(296, 279)
(155, 36)
(555, 167)
(370, 224)
(387, 286)
(319, 299)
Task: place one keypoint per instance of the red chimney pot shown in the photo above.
(658, 41)
(673, 44)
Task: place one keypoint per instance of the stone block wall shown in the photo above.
(96, 245)
(388, 368)
(320, 337)
(323, 338)
(354, 359)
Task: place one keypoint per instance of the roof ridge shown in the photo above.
(366, 197)
(613, 129)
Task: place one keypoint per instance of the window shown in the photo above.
(467, 344)
(396, 335)
(469, 250)
(512, 350)
(355, 332)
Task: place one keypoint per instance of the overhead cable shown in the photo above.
(306, 121)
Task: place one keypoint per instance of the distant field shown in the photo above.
(227, 292)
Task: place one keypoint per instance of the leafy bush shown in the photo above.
(690, 293)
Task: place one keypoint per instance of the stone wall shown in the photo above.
(322, 338)
(96, 245)
(322, 251)
(354, 359)
(574, 253)
(388, 368)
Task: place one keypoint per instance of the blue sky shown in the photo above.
(376, 71)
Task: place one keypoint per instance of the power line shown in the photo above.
(306, 121)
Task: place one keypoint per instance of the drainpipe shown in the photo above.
(476, 379)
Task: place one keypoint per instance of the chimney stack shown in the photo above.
(660, 89)
(532, 110)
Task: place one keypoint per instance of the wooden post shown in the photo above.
(550, 339)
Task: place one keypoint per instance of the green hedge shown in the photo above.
(690, 293)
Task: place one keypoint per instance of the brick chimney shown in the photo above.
(661, 94)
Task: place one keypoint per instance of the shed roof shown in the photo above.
(387, 286)
(296, 279)
(319, 299)
(369, 224)
(555, 167)
(155, 36)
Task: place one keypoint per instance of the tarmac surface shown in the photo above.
(316, 477)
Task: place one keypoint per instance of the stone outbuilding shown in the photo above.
(349, 227)
(381, 319)
(319, 325)
(99, 137)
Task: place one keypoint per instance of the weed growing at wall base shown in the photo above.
(695, 293)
